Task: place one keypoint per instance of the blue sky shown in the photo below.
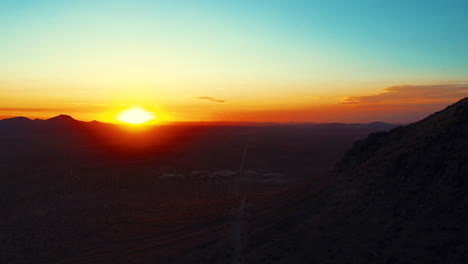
(426, 38)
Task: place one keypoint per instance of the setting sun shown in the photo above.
(135, 115)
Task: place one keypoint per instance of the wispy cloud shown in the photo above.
(412, 94)
(212, 99)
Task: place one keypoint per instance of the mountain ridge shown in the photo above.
(68, 118)
(395, 197)
(419, 148)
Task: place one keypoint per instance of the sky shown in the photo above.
(245, 60)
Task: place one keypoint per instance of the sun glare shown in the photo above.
(135, 115)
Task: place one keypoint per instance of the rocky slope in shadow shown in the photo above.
(433, 150)
(397, 197)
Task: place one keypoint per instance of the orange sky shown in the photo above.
(398, 104)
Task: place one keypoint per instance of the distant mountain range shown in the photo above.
(62, 134)
(67, 118)
(396, 197)
(17, 122)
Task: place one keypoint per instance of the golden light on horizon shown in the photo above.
(135, 116)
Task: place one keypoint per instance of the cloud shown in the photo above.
(453, 82)
(412, 94)
(211, 99)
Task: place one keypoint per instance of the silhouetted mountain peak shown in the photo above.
(21, 118)
(62, 119)
(16, 121)
(378, 123)
(18, 118)
(381, 126)
(434, 149)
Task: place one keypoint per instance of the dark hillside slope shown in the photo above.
(397, 197)
(433, 150)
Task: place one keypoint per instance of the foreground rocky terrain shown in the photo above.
(396, 197)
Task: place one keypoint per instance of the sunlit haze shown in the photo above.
(134, 115)
(280, 61)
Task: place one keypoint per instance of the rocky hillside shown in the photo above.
(396, 197)
(433, 150)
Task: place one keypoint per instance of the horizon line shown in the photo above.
(203, 121)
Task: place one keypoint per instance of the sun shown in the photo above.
(134, 115)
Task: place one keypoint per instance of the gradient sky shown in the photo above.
(317, 61)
